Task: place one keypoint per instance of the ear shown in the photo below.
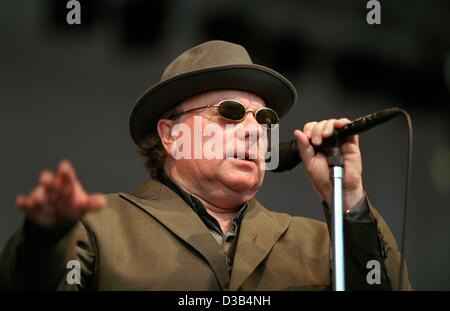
(164, 128)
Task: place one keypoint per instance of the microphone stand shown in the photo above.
(289, 158)
(336, 166)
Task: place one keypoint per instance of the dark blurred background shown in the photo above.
(66, 92)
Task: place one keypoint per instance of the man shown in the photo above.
(196, 225)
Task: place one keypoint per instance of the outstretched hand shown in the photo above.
(58, 198)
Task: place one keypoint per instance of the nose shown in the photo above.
(250, 126)
(250, 116)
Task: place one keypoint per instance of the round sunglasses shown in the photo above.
(233, 110)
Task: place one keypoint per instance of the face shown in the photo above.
(227, 180)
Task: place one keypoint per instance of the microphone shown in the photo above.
(288, 150)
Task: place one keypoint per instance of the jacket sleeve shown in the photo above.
(369, 244)
(50, 259)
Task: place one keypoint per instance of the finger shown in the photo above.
(79, 198)
(341, 122)
(46, 180)
(354, 139)
(317, 133)
(39, 210)
(37, 197)
(305, 149)
(96, 202)
(65, 181)
(20, 201)
(64, 186)
(328, 128)
(67, 172)
(352, 142)
(307, 129)
(351, 146)
(23, 202)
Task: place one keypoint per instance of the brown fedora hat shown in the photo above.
(209, 66)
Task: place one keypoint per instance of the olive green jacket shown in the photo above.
(152, 240)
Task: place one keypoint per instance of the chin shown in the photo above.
(241, 181)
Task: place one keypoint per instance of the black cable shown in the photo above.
(406, 200)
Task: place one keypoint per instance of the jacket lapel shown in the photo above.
(259, 231)
(171, 211)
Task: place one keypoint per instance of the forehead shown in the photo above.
(249, 100)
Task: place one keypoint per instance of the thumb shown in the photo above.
(96, 201)
(305, 149)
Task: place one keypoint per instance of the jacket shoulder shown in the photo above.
(298, 224)
(308, 225)
(117, 211)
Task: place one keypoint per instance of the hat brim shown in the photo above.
(276, 91)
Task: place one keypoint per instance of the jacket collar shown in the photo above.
(259, 231)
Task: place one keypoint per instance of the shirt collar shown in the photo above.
(193, 201)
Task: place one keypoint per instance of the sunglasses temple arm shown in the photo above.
(190, 110)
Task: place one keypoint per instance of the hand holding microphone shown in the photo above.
(311, 144)
(316, 164)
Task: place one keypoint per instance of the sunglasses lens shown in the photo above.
(231, 110)
(266, 116)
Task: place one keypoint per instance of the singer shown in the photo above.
(196, 225)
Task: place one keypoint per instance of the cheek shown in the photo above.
(218, 168)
